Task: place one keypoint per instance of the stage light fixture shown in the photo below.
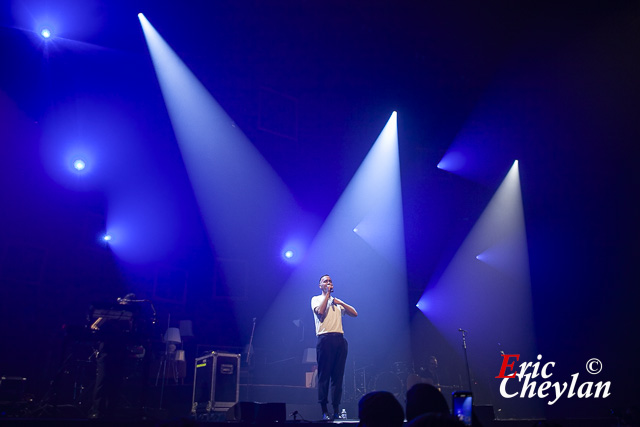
(45, 33)
(79, 164)
(423, 305)
(288, 254)
(107, 237)
(453, 161)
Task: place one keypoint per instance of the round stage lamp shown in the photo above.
(79, 164)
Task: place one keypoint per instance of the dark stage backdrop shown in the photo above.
(311, 84)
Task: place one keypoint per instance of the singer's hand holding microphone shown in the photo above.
(335, 300)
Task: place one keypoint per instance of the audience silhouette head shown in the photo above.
(380, 409)
(424, 398)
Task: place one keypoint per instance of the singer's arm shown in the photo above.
(347, 308)
(322, 309)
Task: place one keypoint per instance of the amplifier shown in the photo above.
(216, 382)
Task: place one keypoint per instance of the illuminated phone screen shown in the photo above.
(462, 405)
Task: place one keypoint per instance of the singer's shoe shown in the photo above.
(326, 417)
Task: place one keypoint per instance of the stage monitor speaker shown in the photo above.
(252, 412)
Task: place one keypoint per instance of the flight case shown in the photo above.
(216, 382)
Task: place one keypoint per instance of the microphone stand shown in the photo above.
(249, 354)
(249, 351)
(466, 358)
(163, 366)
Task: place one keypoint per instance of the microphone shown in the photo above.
(461, 330)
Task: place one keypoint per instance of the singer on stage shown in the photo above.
(332, 348)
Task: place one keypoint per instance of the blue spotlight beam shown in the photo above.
(240, 195)
(367, 265)
(498, 239)
(486, 286)
(244, 204)
(373, 200)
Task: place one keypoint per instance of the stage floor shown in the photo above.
(176, 406)
(187, 422)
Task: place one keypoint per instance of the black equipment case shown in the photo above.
(216, 382)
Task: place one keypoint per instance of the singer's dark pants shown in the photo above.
(331, 352)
